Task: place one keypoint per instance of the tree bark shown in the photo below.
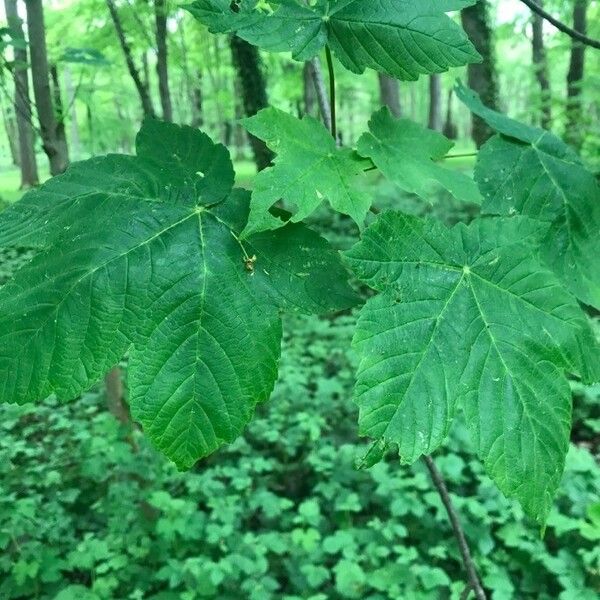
(309, 95)
(61, 134)
(540, 66)
(435, 102)
(197, 101)
(574, 128)
(74, 130)
(246, 60)
(22, 103)
(55, 151)
(450, 129)
(482, 77)
(115, 397)
(162, 67)
(142, 91)
(389, 94)
(10, 126)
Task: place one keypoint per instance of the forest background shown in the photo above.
(89, 510)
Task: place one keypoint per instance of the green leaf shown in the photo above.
(466, 317)
(405, 153)
(529, 171)
(167, 280)
(185, 167)
(308, 169)
(399, 37)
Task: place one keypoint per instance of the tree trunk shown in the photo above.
(142, 91)
(115, 397)
(309, 94)
(450, 129)
(40, 73)
(389, 94)
(61, 134)
(22, 104)
(162, 68)
(197, 101)
(435, 102)
(482, 77)
(574, 127)
(74, 131)
(10, 127)
(246, 60)
(540, 66)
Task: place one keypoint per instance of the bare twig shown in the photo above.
(440, 484)
(576, 35)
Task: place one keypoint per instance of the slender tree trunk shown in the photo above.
(74, 130)
(41, 88)
(435, 102)
(61, 134)
(162, 68)
(246, 60)
(309, 94)
(22, 104)
(574, 128)
(142, 91)
(10, 126)
(389, 94)
(450, 130)
(197, 101)
(482, 76)
(540, 65)
(115, 397)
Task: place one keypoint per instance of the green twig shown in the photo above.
(331, 92)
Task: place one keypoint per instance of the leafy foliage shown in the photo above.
(308, 170)
(401, 38)
(405, 153)
(163, 276)
(468, 318)
(530, 171)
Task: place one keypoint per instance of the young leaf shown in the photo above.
(399, 37)
(166, 278)
(528, 170)
(405, 153)
(467, 317)
(308, 169)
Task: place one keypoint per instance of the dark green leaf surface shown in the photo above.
(528, 170)
(405, 153)
(399, 37)
(166, 279)
(466, 317)
(308, 169)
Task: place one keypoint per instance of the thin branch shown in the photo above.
(463, 155)
(440, 484)
(576, 35)
(331, 92)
